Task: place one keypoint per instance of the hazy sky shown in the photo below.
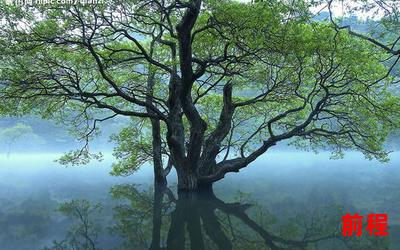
(339, 8)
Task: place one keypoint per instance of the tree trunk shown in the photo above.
(159, 178)
(188, 180)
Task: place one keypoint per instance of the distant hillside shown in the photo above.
(50, 137)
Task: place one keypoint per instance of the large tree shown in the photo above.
(210, 85)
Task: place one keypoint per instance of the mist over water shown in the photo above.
(285, 184)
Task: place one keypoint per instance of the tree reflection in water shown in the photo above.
(83, 234)
(157, 219)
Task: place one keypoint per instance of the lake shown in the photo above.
(285, 200)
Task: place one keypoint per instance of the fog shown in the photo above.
(283, 182)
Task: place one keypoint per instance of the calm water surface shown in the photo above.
(285, 200)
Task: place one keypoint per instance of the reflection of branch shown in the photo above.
(82, 235)
(196, 220)
(85, 233)
(190, 209)
(238, 211)
(213, 229)
(157, 217)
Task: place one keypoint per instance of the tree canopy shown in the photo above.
(18, 133)
(210, 85)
